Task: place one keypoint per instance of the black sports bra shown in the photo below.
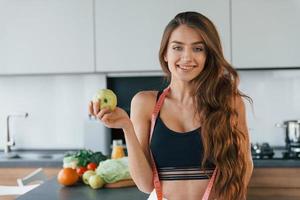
(178, 156)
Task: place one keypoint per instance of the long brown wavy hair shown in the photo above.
(215, 91)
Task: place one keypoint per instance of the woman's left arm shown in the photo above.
(242, 126)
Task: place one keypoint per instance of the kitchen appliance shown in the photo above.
(290, 155)
(292, 135)
(261, 151)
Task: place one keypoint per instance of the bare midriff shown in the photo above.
(184, 189)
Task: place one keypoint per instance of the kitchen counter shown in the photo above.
(51, 190)
(57, 160)
(276, 163)
(31, 163)
(58, 163)
(33, 158)
(265, 163)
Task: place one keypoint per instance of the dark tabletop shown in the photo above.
(51, 190)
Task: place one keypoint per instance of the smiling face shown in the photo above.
(185, 53)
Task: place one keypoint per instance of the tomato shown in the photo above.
(92, 166)
(67, 176)
(80, 170)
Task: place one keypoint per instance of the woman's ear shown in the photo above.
(165, 58)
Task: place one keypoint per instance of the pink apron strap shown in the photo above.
(210, 185)
(156, 182)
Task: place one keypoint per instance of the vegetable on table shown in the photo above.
(114, 170)
(82, 158)
(92, 166)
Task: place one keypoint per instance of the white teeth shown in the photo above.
(184, 67)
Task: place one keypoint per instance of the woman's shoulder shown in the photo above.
(142, 104)
(145, 97)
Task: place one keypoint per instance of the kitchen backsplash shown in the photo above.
(276, 98)
(57, 107)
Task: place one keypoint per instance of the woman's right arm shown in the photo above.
(136, 134)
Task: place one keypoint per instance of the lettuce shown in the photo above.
(113, 170)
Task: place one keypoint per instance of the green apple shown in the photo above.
(86, 175)
(96, 181)
(107, 98)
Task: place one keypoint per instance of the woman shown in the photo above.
(199, 136)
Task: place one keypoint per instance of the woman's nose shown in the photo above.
(187, 55)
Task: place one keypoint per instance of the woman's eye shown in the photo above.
(177, 48)
(198, 49)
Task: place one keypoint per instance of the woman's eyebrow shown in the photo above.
(178, 42)
(199, 42)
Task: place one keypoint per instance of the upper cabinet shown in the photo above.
(49, 36)
(128, 33)
(265, 34)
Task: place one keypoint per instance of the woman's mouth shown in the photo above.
(185, 67)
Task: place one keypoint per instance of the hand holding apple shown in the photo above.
(104, 108)
(106, 98)
(116, 119)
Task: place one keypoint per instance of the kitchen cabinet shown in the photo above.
(265, 34)
(50, 36)
(274, 184)
(128, 33)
